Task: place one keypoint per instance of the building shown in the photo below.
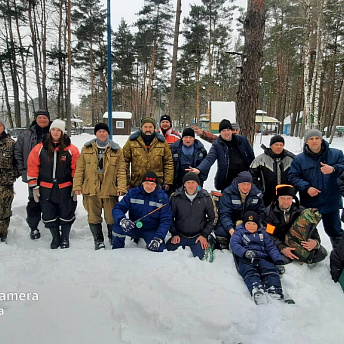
(121, 122)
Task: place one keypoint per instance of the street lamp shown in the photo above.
(261, 84)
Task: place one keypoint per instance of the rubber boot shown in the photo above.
(65, 230)
(35, 234)
(97, 232)
(55, 232)
(110, 233)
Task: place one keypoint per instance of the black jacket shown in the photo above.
(192, 219)
(337, 260)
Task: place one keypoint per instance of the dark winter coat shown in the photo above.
(25, 142)
(275, 217)
(305, 173)
(260, 242)
(337, 260)
(179, 171)
(8, 171)
(139, 203)
(219, 151)
(191, 219)
(232, 209)
(269, 170)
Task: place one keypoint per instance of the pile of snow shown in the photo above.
(133, 295)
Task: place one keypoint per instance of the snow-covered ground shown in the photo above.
(133, 295)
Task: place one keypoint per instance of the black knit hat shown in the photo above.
(150, 177)
(191, 176)
(225, 124)
(244, 177)
(42, 113)
(188, 132)
(251, 216)
(100, 126)
(166, 118)
(276, 138)
(285, 190)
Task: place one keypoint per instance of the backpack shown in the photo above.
(301, 230)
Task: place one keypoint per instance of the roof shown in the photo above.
(266, 119)
(119, 115)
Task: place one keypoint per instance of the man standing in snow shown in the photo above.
(25, 143)
(171, 136)
(100, 177)
(314, 174)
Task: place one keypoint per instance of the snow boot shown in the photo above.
(65, 230)
(222, 243)
(35, 234)
(110, 233)
(258, 295)
(97, 232)
(3, 237)
(275, 293)
(55, 232)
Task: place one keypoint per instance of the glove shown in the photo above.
(155, 244)
(281, 269)
(74, 195)
(36, 194)
(127, 225)
(250, 254)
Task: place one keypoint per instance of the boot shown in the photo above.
(222, 243)
(335, 241)
(65, 229)
(35, 234)
(97, 232)
(258, 295)
(55, 232)
(110, 233)
(3, 237)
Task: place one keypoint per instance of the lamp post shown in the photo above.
(159, 86)
(109, 67)
(261, 84)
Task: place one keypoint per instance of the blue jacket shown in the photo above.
(232, 209)
(260, 242)
(305, 172)
(219, 152)
(199, 154)
(139, 203)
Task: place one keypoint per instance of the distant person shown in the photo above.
(314, 174)
(139, 202)
(233, 154)
(194, 217)
(271, 168)
(8, 175)
(236, 128)
(25, 143)
(165, 129)
(187, 152)
(145, 151)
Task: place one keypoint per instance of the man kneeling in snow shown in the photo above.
(150, 215)
(194, 216)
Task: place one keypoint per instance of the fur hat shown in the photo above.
(276, 138)
(312, 132)
(285, 190)
(251, 216)
(150, 177)
(191, 176)
(188, 132)
(225, 124)
(166, 118)
(244, 177)
(148, 120)
(42, 113)
(59, 124)
(100, 126)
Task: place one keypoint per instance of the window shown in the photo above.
(119, 124)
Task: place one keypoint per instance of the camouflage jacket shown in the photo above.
(8, 171)
(157, 159)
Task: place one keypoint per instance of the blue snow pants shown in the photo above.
(196, 249)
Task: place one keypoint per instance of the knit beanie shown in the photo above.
(312, 132)
(251, 216)
(59, 124)
(148, 120)
(42, 113)
(285, 190)
(166, 118)
(225, 124)
(191, 176)
(188, 132)
(244, 177)
(276, 138)
(150, 177)
(235, 126)
(100, 126)
(2, 121)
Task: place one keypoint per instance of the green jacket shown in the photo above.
(8, 171)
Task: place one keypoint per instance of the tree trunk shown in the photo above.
(69, 72)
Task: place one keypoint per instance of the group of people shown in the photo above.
(160, 175)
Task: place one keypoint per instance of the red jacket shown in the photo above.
(171, 136)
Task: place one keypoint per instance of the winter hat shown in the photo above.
(59, 124)
(2, 121)
(101, 126)
(244, 177)
(251, 216)
(285, 190)
(312, 132)
(42, 113)
(188, 132)
(225, 124)
(150, 177)
(148, 120)
(235, 126)
(276, 138)
(166, 118)
(191, 176)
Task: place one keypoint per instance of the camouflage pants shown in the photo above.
(6, 198)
